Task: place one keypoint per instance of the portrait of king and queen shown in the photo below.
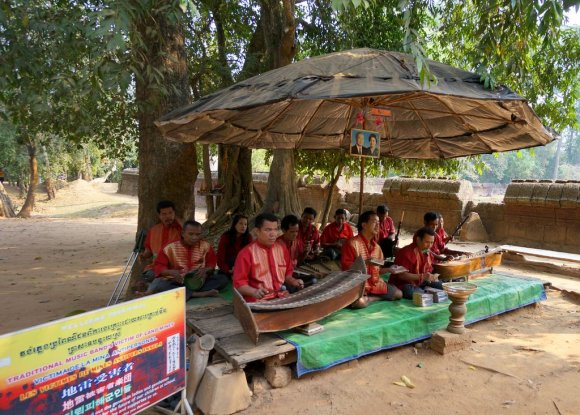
(365, 143)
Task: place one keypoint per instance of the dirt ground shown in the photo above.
(69, 256)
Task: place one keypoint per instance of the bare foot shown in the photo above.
(200, 294)
(360, 303)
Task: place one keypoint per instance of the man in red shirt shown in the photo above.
(190, 257)
(264, 266)
(417, 257)
(290, 240)
(386, 231)
(335, 234)
(440, 252)
(365, 245)
(308, 233)
(168, 230)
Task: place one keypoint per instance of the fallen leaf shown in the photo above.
(420, 365)
(400, 384)
(407, 382)
(472, 367)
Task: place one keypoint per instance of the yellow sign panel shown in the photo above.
(115, 360)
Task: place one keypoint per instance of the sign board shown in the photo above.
(365, 143)
(117, 360)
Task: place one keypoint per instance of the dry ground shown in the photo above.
(69, 256)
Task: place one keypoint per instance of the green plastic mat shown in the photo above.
(349, 334)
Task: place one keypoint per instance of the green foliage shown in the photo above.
(521, 44)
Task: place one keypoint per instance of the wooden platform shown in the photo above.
(542, 253)
(231, 341)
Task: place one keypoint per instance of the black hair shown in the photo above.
(364, 218)
(425, 231)
(309, 211)
(191, 223)
(340, 211)
(382, 209)
(164, 204)
(429, 216)
(233, 233)
(372, 135)
(289, 220)
(263, 217)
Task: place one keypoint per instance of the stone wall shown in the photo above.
(129, 184)
(538, 214)
(417, 196)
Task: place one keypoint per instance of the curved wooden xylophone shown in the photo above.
(469, 265)
(338, 290)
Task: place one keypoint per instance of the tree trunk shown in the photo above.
(48, 182)
(6, 208)
(280, 28)
(207, 180)
(557, 160)
(167, 170)
(282, 196)
(87, 170)
(238, 194)
(331, 190)
(235, 163)
(28, 206)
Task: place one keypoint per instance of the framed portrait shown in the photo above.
(365, 143)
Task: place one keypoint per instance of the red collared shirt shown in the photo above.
(386, 228)
(415, 261)
(332, 233)
(261, 266)
(185, 258)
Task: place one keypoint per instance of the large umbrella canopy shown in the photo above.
(314, 104)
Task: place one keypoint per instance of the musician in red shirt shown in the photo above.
(231, 243)
(167, 230)
(191, 256)
(365, 245)
(308, 233)
(335, 234)
(440, 251)
(386, 231)
(264, 266)
(290, 240)
(417, 257)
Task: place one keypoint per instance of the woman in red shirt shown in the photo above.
(231, 243)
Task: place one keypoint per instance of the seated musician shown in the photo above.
(290, 240)
(386, 232)
(441, 230)
(335, 234)
(308, 232)
(191, 256)
(430, 220)
(366, 246)
(417, 257)
(264, 266)
(231, 243)
(167, 230)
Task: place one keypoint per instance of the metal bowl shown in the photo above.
(459, 288)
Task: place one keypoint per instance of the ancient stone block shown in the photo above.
(223, 391)
(473, 229)
(570, 195)
(445, 342)
(539, 194)
(554, 195)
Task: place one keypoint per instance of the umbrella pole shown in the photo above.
(362, 185)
